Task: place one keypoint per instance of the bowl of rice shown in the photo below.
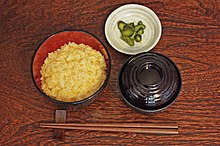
(71, 67)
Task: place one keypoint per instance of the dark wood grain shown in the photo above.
(191, 38)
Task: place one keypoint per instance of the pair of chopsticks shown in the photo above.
(115, 127)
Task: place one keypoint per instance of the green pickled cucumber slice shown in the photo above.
(128, 40)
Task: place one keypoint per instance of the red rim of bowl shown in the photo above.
(108, 62)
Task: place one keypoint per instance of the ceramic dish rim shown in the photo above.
(108, 20)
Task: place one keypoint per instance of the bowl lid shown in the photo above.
(149, 81)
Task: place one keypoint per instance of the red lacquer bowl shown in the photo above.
(54, 42)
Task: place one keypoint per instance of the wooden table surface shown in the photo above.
(191, 38)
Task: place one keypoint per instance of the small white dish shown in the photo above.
(133, 13)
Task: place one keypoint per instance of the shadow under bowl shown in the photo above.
(54, 42)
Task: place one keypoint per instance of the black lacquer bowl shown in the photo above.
(149, 82)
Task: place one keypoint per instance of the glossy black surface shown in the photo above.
(149, 82)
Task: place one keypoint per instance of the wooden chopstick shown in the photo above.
(134, 125)
(115, 127)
